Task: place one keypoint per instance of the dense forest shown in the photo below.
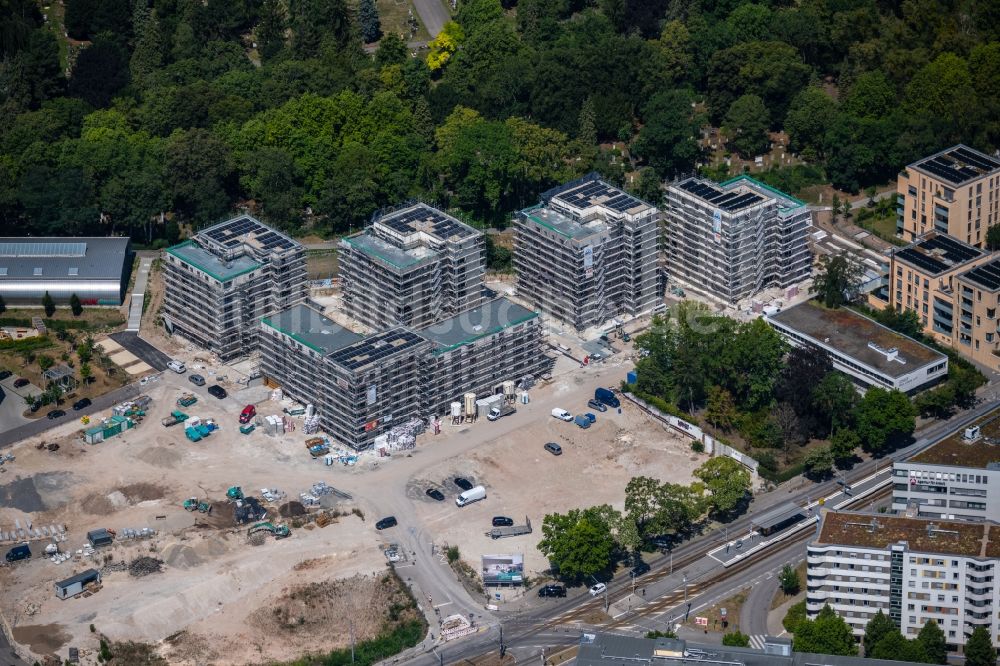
(181, 110)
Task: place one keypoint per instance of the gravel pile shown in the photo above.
(145, 566)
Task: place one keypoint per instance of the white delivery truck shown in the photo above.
(471, 495)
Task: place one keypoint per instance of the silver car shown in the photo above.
(197, 380)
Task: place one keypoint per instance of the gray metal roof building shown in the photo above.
(97, 270)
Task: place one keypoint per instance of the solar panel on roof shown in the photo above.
(987, 275)
(42, 249)
(976, 159)
(921, 261)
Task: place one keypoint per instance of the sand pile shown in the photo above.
(160, 456)
(181, 555)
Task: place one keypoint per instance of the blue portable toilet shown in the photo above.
(631, 377)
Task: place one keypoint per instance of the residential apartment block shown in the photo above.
(729, 241)
(222, 281)
(956, 479)
(923, 278)
(956, 192)
(912, 569)
(587, 253)
(411, 267)
(363, 386)
(861, 348)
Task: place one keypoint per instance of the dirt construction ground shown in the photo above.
(523, 480)
(213, 581)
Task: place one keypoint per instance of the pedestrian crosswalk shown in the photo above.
(757, 641)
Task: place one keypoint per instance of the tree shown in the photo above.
(392, 50)
(577, 546)
(809, 115)
(85, 373)
(198, 168)
(805, 367)
(48, 304)
(147, 57)
(587, 131)
(795, 616)
(44, 362)
(773, 71)
(827, 634)
(720, 410)
(789, 580)
(100, 71)
(993, 238)
(935, 646)
(884, 419)
(894, 646)
(843, 444)
(727, 481)
(85, 350)
(880, 626)
(746, 124)
(838, 280)
(819, 462)
(658, 509)
(3, 305)
(270, 32)
(371, 28)
(75, 306)
(668, 140)
(647, 186)
(735, 639)
(979, 650)
(442, 47)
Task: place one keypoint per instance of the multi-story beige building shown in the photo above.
(956, 191)
(923, 278)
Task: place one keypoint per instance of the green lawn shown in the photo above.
(393, 15)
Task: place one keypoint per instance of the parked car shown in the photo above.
(82, 403)
(386, 523)
(4, 374)
(470, 496)
(463, 483)
(177, 367)
(626, 337)
(590, 417)
(435, 494)
(553, 448)
(562, 414)
(502, 521)
(639, 569)
(217, 391)
(248, 413)
(552, 591)
(21, 552)
(598, 589)
(596, 356)
(55, 413)
(599, 406)
(20, 382)
(608, 397)
(197, 380)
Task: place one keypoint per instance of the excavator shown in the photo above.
(278, 531)
(235, 493)
(192, 504)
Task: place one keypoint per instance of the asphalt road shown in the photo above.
(433, 14)
(131, 341)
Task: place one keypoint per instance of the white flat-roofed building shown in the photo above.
(861, 348)
(97, 270)
(912, 569)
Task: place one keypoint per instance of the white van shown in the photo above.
(177, 367)
(471, 495)
(562, 414)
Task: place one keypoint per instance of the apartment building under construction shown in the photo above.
(729, 241)
(587, 253)
(412, 266)
(222, 281)
(364, 386)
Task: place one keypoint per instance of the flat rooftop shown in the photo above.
(857, 337)
(376, 347)
(784, 200)
(471, 325)
(204, 260)
(985, 275)
(958, 165)
(311, 328)
(386, 252)
(937, 253)
(564, 225)
(730, 200)
(591, 191)
(247, 230)
(954, 450)
(427, 219)
(62, 258)
(926, 535)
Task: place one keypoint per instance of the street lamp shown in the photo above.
(685, 588)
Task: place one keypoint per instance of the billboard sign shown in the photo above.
(503, 569)
(588, 256)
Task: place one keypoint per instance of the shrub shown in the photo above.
(697, 446)
(452, 554)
